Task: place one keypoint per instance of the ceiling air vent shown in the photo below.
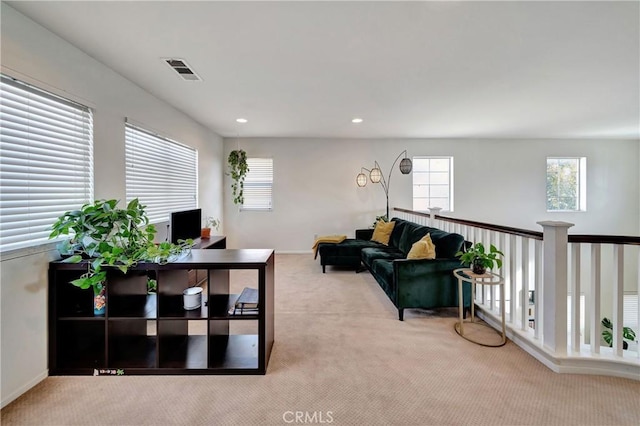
(183, 70)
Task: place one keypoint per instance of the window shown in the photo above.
(432, 183)
(46, 162)
(258, 184)
(566, 184)
(161, 173)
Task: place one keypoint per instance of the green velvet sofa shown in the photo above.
(409, 283)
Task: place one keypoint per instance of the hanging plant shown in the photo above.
(238, 170)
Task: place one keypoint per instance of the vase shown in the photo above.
(99, 299)
(205, 233)
(478, 268)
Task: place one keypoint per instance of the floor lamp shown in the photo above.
(376, 176)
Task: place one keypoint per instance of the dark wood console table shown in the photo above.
(145, 333)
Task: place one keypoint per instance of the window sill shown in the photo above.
(27, 251)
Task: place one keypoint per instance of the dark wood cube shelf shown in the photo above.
(144, 333)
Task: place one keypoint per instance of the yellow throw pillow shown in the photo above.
(423, 249)
(382, 232)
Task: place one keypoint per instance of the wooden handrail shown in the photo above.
(489, 226)
(594, 239)
(605, 239)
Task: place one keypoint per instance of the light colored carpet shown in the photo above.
(341, 357)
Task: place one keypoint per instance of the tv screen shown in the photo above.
(186, 224)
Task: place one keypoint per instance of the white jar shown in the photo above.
(192, 298)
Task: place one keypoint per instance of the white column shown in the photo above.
(433, 212)
(554, 284)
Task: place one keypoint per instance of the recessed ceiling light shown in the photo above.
(357, 120)
(241, 120)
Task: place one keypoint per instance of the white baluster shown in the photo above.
(513, 281)
(575, 297)
(524, 315)
(618, 297)
(502, 241)
(537, 300)
(594, 302)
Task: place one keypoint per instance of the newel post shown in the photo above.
(554, 285)
(433, 212)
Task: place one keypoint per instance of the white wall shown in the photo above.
(495, 181)
(33, 54)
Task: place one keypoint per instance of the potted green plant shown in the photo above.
(106, 236)
(238, 170)
(479, 258)
(383, 218)
(607, 335)
(209, 222)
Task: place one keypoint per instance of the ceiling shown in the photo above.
(409, 69)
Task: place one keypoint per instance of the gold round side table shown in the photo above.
(488, 278)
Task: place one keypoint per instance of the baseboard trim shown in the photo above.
(6, 400)
(294, 251)
(570, 364)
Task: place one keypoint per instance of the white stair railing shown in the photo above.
(543, 271)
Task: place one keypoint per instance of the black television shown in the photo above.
(185, 224)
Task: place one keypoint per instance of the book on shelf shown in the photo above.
(243, 311)
(247, 303)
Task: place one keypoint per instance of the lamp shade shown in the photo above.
(375, 175)
(361, 180)
(405, 166)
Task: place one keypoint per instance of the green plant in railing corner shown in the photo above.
(238, 170)
(607, 335)
(479, 258)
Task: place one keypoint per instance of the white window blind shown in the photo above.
(258, 184)
(161, 173)
(46, 162)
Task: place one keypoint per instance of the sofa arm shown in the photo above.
(428, 283)
(364, 234)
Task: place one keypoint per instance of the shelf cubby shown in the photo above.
(182, 344)
(173, 307)
(131, 343)
(234, 351)
(72, 301)
(133, 306)
(81, 344)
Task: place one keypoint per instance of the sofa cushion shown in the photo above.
(349, 247)
(412, 233)
(383, 271)
(423, 249)
(396, 234)
(382, 232)
(372, 253)
(447, 245)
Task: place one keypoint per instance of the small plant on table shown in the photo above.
(479, 258)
